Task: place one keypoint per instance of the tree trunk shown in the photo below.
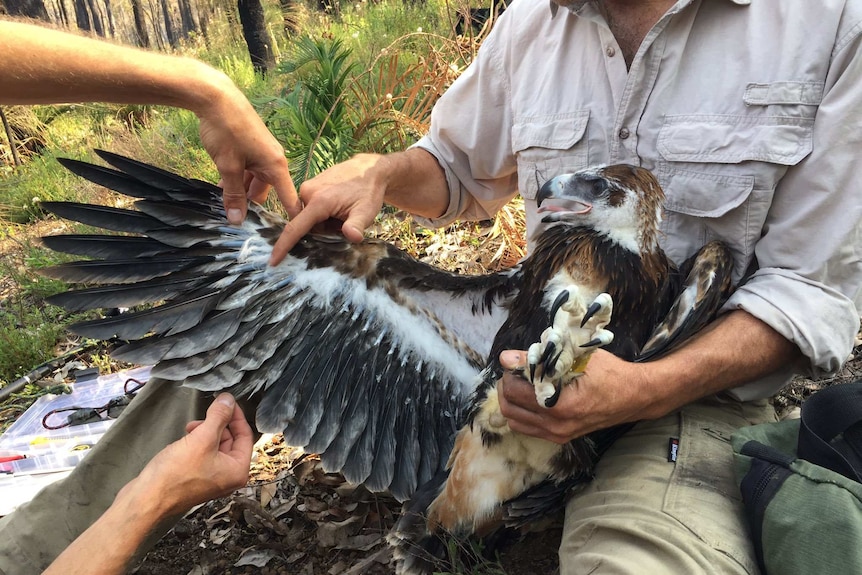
(140, 24)
(156, 25)
(27, 8)
(256, 35)
(203, 20)
(97, 20)
(82, 15)
(109, 16)
(169, 25)
(62, 13)
(187, 18)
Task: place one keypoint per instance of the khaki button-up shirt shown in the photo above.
(749, 113)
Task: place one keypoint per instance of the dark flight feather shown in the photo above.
(123, 271)
(123, 295)
(106, 247)
(112, 179)
(114, 219)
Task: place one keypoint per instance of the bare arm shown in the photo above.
(44, 66)
(211, 461)
(354, 191)
(735, 349)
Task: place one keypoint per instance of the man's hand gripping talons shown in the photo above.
(565, 347)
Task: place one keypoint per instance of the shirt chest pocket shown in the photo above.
(549, 145)
(719, 174)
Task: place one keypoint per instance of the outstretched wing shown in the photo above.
(357, 352)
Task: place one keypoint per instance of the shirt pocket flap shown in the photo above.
(732, 139)
(701, 194)
(551, 131)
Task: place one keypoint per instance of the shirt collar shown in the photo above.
(577, 5)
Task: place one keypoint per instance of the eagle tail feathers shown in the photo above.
(417, 549)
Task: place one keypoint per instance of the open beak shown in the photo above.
(563, 195)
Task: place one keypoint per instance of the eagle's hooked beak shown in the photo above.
(564, 195)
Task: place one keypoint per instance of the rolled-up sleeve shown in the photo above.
(808, 258)
(470, 136)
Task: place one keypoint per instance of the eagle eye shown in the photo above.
(600, 186)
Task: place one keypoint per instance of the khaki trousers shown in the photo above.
(35, 534)
(644, 515)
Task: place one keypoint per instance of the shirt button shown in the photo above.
(610, 52)
(624, 133)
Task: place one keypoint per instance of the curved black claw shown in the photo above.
(591, 311)
(552, 401)
(592, 343)
(558, 303)
(546, 357)
(532, 372)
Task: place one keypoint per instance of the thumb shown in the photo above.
(354, 226)
(512, 359)
(219, 414)
(234, 198)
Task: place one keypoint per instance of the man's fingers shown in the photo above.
(294, 230)
(242, 434)
(234, 198)
(219, 414)
(356, 223)
(513, 359)
(287, 195)
(192, 425)
(258, 190)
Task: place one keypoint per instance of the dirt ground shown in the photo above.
(294, 519)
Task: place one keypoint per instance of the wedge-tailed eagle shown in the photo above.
(376, 361)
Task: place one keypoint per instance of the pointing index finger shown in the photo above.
(294, 230)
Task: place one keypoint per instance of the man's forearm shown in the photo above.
(107, 546)
(736, 349)
(416, 183)
(51, 67)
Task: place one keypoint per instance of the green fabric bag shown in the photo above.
(801, 482)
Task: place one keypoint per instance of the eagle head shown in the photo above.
(622, 202)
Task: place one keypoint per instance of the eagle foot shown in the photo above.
(577, 328)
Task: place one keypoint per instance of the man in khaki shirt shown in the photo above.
(749, 112)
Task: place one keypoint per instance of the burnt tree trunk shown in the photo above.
(203, 22)
(169, 25)
(256, 35)
(27, 8)
(156, 25)
(97, 20)
(187, 18)
(62, 13)
(109, 16)
(140, 24)
(82, 15)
